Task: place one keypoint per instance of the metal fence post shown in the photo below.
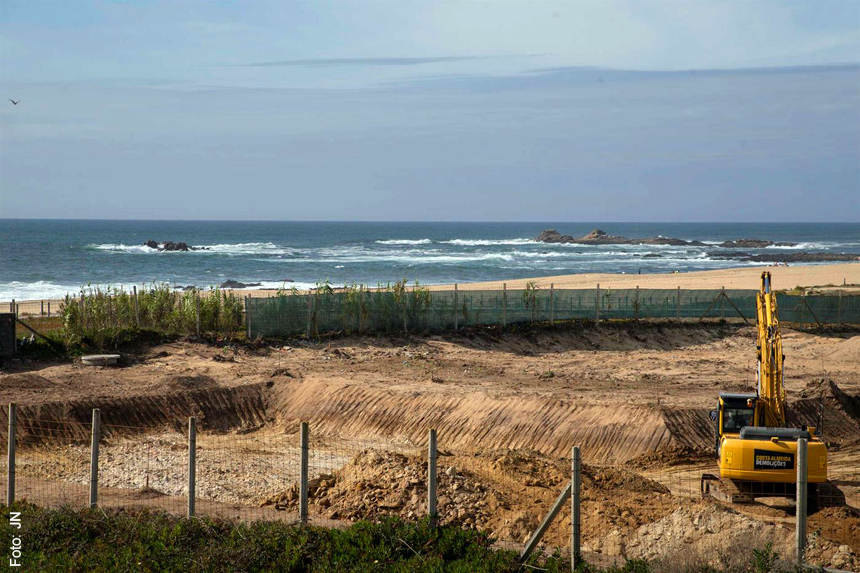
(504, 305)
(136, 309)
(636, 304)
(551, 303)
(248, 316)
(431, 479)
(575, 482)
(801, 499)
(197, 311)
(94, 458)
(192, 464)
(597, 305)
(722, 303)
(303, 485)
(42, 311)
(49, 309)
(455, 306)
(839, 308)
(13, 427)
(310, 312)
(678, 305)
(13, 308)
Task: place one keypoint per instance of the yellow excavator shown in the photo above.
(756, 452)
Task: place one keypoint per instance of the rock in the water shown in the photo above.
(171, 246)
(151, 244)
(553, 236)
(753, 244)
(601, 237)
(237, 284)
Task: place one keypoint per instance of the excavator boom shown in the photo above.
(771, 383)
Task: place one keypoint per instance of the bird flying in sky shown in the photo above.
(15, 102)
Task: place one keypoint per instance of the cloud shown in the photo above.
(327, 62)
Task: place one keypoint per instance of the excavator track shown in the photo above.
(722, 489)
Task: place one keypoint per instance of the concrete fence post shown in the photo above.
(504, 305)
(431, 479)
(13, 308)
(303, 484)
(678, 305)
(575, 483)
(94, 458)
(49, 309)
(597, 305)
(42, 311)
(192, 464)
(10, 452)
(455, 306)
(136, 308)
(801, 500)
(248, 317)
(551, 303)
(722, 303)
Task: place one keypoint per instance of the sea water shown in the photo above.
(49, 258)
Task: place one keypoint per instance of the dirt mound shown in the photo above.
(823, 404)
(707, 534)
(193, 382)
(507, 493)
(671, 456)
(838, 524)
(25, 381)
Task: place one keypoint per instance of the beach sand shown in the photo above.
(828, 276)
(835, 275)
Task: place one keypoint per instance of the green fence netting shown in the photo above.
(420, 310)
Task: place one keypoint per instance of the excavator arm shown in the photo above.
(771, 383)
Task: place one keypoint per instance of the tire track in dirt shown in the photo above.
(468, 421)
(219, 409)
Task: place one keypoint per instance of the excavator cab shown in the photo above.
(736, 411)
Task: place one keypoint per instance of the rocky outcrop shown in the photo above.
(237, 284)
(601, 237)
(171, 246)
(753, 244)
(785, 257)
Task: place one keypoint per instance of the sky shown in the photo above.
(436, 111)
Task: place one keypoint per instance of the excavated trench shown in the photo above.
(465, 421)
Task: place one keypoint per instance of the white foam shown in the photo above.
(36, 290)
(487, 242)
(224, 249)
(405, 242)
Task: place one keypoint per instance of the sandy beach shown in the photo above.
(748, 277)
(844, 276)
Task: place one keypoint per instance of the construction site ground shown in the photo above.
(507, 408)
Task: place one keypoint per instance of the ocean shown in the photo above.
(49, 258)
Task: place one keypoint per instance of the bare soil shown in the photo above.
(507, 407)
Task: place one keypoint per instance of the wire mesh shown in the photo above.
(423, 310)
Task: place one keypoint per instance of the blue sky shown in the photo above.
(569, 111)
